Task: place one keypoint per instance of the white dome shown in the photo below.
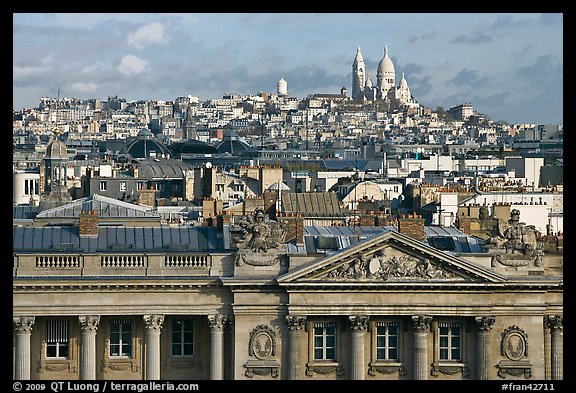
(403, 82)
(368, 81)
(385, 65)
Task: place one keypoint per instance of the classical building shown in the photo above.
(258, 299)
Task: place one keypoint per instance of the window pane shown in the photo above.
(393, 330)
(456, 354)
(51, 350)
(330, 331)
(187, 325)
(455, 342)
(114, 350)
(176, 350)
(393, 341)
(63, 350)
(188, 337)
(456, 330)
(443, 353)
(380, 341)
(318, 331)
(318, 353)
(380, 354)
(126, 349)
(330, 341)
(188, 349)
(443, 330)
(114, 338)
(393, 354)
(443, 341)
(318, 341)
(330, 353)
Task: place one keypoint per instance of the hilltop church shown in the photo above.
(385, 89)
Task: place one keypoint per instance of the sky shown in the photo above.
(508, 66)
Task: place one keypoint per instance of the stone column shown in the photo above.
(483, 326)
(23, 329)
(153, 325)
(556, 324)
(89, 326)
(358, 325)
(216, 322)
(421, 330)
(295, 326)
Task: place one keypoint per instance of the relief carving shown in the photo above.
(262, 343)
(389, 264)
(514, 346)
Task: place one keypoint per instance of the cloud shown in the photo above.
(551, 19)
(83, 87)
(27, 71)
(422, 37)
(131, 65)
(152, 33)
(467, 78)
(478, 37)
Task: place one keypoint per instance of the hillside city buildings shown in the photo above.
(265, 236)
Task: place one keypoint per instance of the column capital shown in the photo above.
(554, 321)
(484, 323)
(217, 321)
(421, 323)
(89, 323)
(24, 324)
(295, 322)
(358, 322)
(153, 322)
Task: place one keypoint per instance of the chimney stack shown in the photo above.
(88, 223)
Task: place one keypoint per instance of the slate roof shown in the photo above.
(127, 239)
(310, 202)
(443, 238)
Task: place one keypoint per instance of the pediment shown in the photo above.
(390, 258)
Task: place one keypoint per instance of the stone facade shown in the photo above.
(388, 307)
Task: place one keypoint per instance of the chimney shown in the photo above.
(299, 229)
(412, 226)
(147, 197)
(88, 223)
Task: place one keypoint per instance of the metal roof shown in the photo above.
(312, 202)
(24, 212)
(443, 238)
(105, 207)
(127, 239)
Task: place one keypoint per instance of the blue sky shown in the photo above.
(509, 66)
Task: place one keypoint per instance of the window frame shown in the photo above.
(121, 343)
(387, 366)
(182, 343)
(451, 366)
(324, 366)
(57, 344)
(103, 185)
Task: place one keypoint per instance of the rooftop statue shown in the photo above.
(260, 240)
(514, 240)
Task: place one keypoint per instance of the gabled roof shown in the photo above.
(310, 202)
(358, 265)
(105, 207)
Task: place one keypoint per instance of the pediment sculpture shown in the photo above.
(389, 264)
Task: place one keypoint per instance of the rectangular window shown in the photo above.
(120, 337)
(387, 341)
(36, 187)
(57, 341)
(450, 335)
(139, 186)
(182, 337)
(103, 186)
(26, 188)
(122, 186)
(324, 341)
